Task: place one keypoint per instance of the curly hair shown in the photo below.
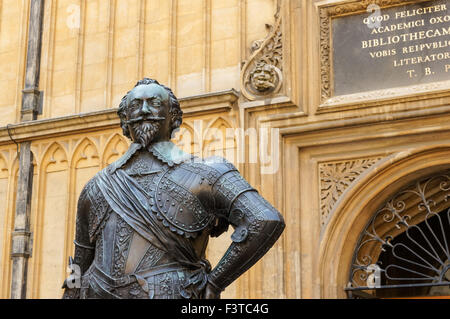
(175, 110)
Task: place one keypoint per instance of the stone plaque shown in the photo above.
(391, 47)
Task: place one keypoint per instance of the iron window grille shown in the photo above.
(406, 242)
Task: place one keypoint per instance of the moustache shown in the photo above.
(145, 118)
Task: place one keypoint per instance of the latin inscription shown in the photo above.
(392, 47)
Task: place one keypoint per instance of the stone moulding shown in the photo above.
(261, 74)
(427, 90)
(327, 11)
(208, 103)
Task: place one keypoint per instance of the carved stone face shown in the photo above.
(262, 77)
(147, 114)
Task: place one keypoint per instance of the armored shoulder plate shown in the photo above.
(219, 164)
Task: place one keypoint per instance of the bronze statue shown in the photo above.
(144, 221)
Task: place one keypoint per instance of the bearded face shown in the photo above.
(144, 131)
(147, 114)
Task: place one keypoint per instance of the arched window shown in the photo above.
(404, 249)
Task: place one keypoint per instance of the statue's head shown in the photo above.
(150, 112)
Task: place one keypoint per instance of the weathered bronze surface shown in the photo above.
(144, 221)
(392, 47)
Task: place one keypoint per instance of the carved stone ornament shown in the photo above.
(262, 74)
(335, 178)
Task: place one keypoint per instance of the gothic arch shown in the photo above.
(51, 218)
(185, 138)
(357, 205)
(54, 158)
(115, 147)
(8, 209)
(85, 154)
(85, 162)
(216, 140)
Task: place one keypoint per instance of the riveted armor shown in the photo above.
(143, 225)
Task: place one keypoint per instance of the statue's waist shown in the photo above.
(133, 277)
(170, 280)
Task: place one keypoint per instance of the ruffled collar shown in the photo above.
(165, 151)
(169, 153)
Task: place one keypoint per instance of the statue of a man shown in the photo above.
(144, 221)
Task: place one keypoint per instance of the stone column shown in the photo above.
(30, 97)
(20, 248)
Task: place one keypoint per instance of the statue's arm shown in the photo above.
(84, 249)
(257, 226)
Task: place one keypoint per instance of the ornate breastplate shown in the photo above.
(180, 192)
(175, 201)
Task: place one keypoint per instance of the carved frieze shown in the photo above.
(335, 178)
